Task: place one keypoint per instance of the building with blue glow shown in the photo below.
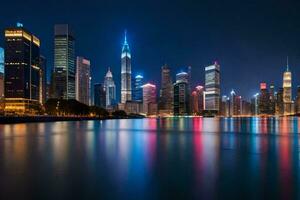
(125, 72)
(1, 72)
(137, 94)
(110, 90)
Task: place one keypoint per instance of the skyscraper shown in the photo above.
(279, 105)
(272, 99)
(212, 88)
(1, 72)
(125, 72)
(99, 95)
(264, 100)
(197, 100)
(43, 79)
(137, 94)
(149, 99)
(182, 77)
(166, 91)
(22, 71)
(64, 62)
(298, 101)
(181, 98)
(83, 80)
(110, 89)
(287, 90)
(255, 104)
(235, 104)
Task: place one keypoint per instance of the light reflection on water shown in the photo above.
(147, 158)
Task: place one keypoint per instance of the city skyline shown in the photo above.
(241, 44)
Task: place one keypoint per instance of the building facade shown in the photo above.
(43, 80)
(125, 72)
(137, 94)
(166, 92)
(197, 100)
(287, 91)
(212, 88)
(1, 73)
(22, 71)
(99, 95)
(264, 100)
(83, 80)
(149, 99)
(64, 63)
(110, 90)
(181, 98)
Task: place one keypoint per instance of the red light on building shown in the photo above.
(263, 86)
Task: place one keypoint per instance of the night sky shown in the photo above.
(250, 39)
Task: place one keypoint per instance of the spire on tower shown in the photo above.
(125, 37)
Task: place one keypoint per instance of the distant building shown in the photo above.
(137, 94)
(246, 108)
(272, 99)
(64, 62)
(125, 72)
(287, 91)
(1, 73)
(255, 104)
(134, 107)
(22, 71)
(182, 77)
(110, 89)
(264, 100)
(197, 100)
(166, 91)
(43, 80)
(212, 88)
(149, 99)
(279, 104)
(298, 101)
(99, 95)
(83, 80)
(225, 106)
(181, 98)
(235, 104)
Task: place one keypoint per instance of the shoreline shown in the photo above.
(33, 119)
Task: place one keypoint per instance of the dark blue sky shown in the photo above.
(250, 39)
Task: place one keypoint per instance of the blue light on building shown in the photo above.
(1, 60)
(138, 90)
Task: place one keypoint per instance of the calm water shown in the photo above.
(183, 158)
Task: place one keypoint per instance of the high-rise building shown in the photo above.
(235, 104)
(225, 106)
(298, 101)
(83, 80)
(149, 99)
(255, 104)
(197, 100)
(279, 104)
(166, 91)
(125, 72)
(182, 77)
(22, 71)
(110, 89)
(181, 98)
(264, 100)
(137, 94)
(1, 73)
(246, 108)
(212, 88)
(272, 99)
(64, 62)
(43, 79)
(287, 91)
(99, 95)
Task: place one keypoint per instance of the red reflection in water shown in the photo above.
(197, 124)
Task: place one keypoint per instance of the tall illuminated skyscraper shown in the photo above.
(212, 88)
(99, 95)
(83, 80)
(125, 72)
(22, 71)
(64, 62)
(110, 89)
(287, 90)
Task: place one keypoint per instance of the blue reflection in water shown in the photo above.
(179, 158)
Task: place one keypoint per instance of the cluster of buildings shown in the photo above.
(24, 88)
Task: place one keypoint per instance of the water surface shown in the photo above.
(175, 158)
